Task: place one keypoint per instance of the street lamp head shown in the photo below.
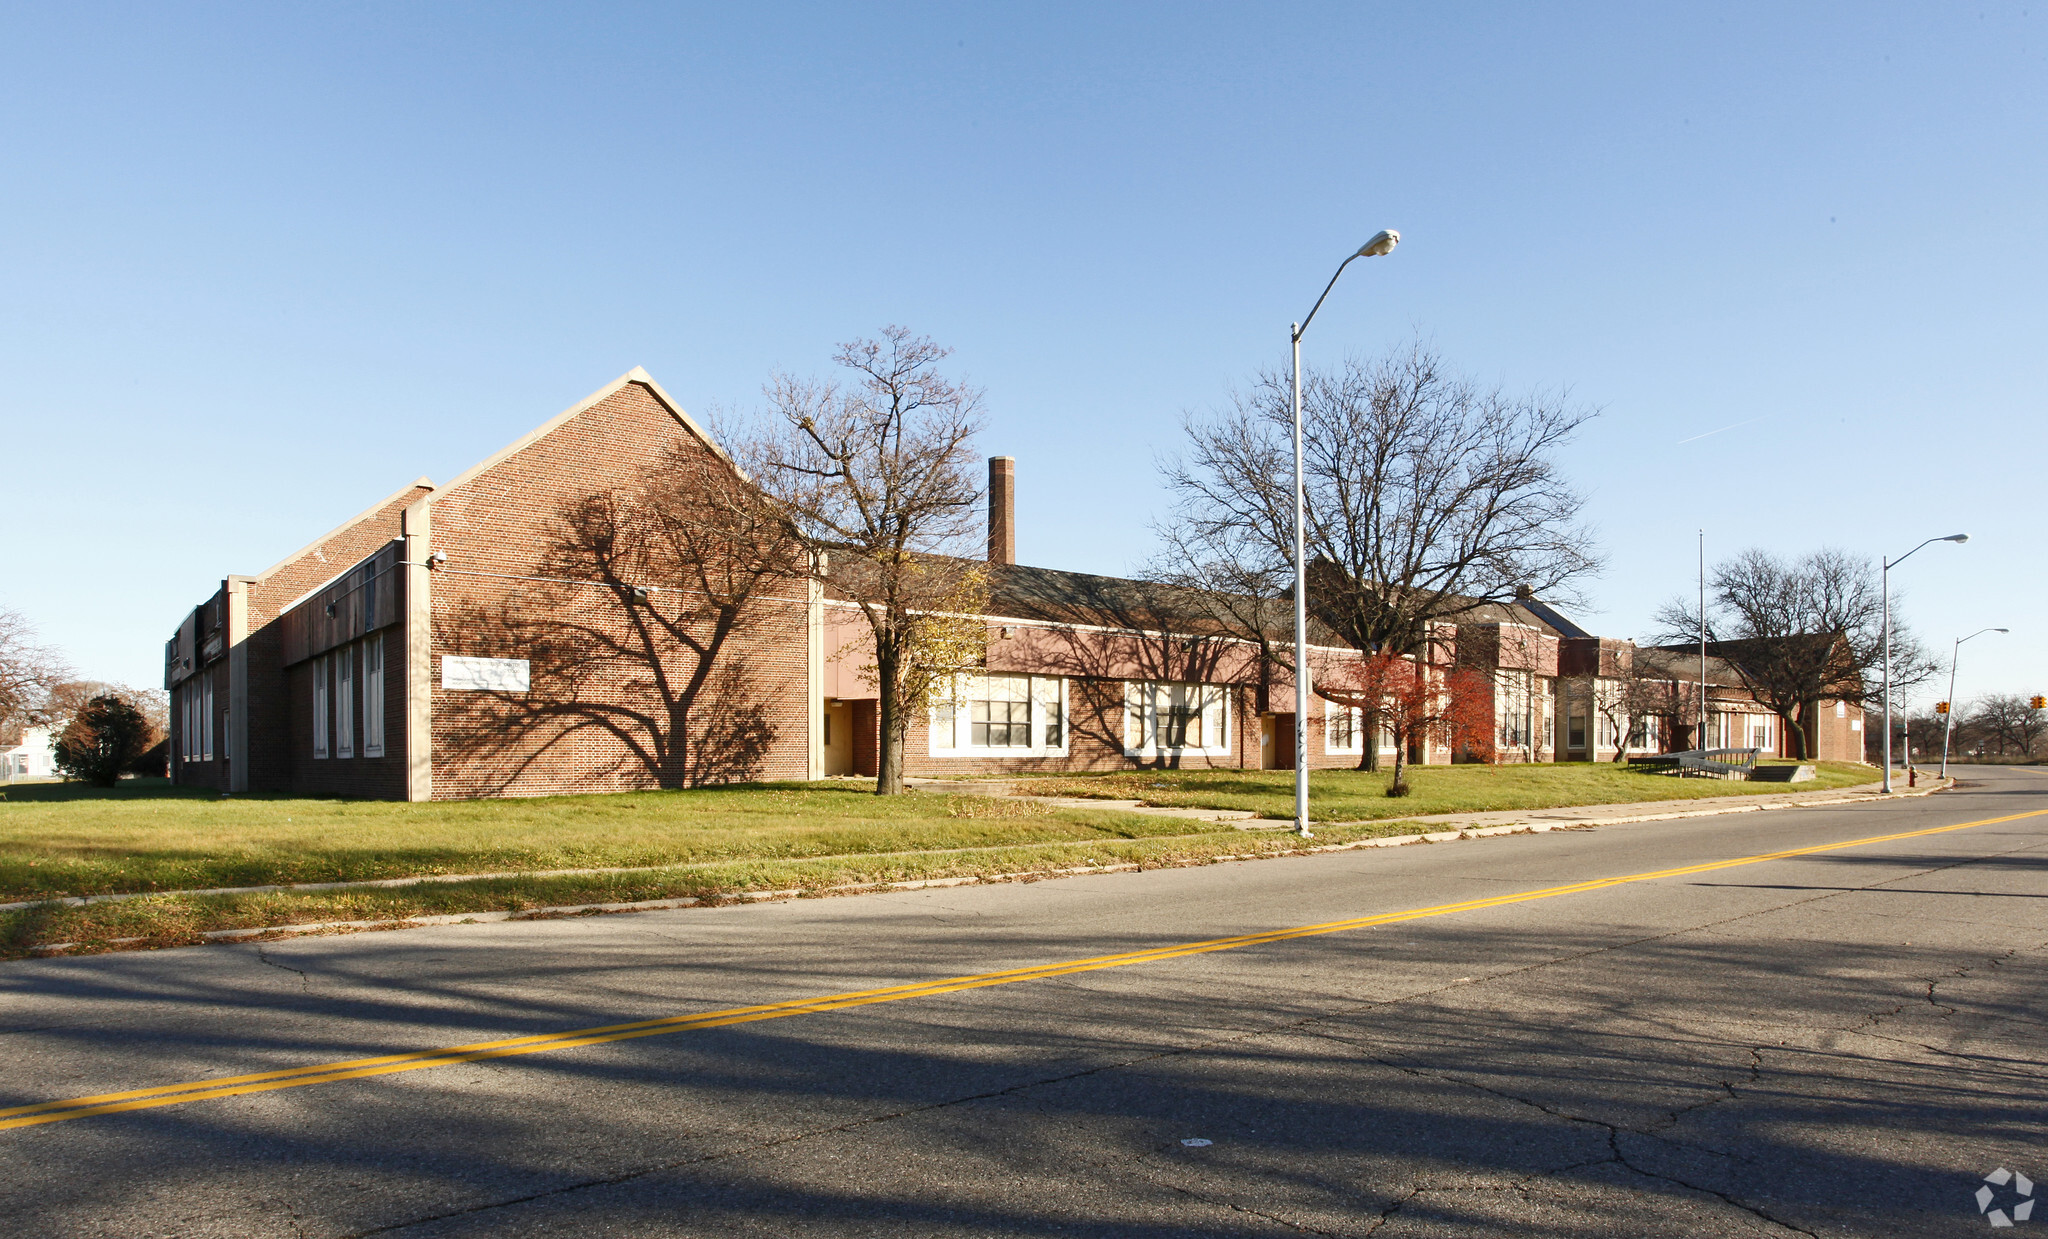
(1957, 537)
(2001, 630)
(1383, 242)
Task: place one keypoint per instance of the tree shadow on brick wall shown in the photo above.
(1113, 631)
(657, 609)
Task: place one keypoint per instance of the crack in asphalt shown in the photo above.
(263, 956)
(1613, 1131)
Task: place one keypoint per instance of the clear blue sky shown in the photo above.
(264, 264)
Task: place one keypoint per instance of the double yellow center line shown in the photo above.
(360, 1068)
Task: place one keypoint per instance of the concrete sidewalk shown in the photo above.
(1645, 810)
(1570, 815)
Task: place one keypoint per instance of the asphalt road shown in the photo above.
(1839, 1043)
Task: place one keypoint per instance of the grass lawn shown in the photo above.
(1354, 795)
(145, 836)
(68, 839)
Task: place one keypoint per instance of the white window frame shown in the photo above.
(320, 708)
(373, 696)
(1142, 702)
(345, 701)
(1642, 732)
(952, 720)
(1356, 716)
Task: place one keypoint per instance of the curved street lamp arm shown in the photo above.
(1889, 564)
(1326, 293)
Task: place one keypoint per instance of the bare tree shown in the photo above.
(646, 600)
(876, 478)
(1666, 687)
(28, 671)
(1426, 494)
(1799, 632)
(67, 698)
(2009, 723)
(1635, 697)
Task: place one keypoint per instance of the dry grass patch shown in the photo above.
(174, 919)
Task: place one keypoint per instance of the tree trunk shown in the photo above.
(1799, 742)
(1400, 762)
(889, 762)
(1370, 758)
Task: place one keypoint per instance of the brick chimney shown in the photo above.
(1002, 509)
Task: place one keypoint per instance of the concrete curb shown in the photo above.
(857, 888)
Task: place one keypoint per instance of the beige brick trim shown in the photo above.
(814, 677)
(418, 524)
(237, 739)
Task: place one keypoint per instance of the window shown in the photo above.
(1007, 715)
(1759, 731)
(1000, 718)
(1642, 734)
(1176, 718)
(345, 702)
(373, 696)
(1575, 732)
(1343, 728)
(320, 707)
(206, 719)
(1841, 709)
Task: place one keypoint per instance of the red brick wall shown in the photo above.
(623, 733)
(360, 776)
(201, 773)
(273, 755)
(1095, 709)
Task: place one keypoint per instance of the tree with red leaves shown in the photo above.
(1415, 701)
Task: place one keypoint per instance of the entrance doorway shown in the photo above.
(1276, 742)
(838, 739)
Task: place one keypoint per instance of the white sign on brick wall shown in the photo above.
(485, 675)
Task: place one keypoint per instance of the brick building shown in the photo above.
(519, 630)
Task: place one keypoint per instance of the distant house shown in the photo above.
(439, 646)
(27, 753)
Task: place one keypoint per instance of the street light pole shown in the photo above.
(1948, 721)
(1382, 242)
(1700, 741)
(1885, 594)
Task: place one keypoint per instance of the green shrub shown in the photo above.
(105, 736)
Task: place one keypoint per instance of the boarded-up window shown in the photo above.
(373, 696)
(344, 702)
(320, 707)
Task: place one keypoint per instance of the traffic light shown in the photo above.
(1941, 707)
(2038, 702)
